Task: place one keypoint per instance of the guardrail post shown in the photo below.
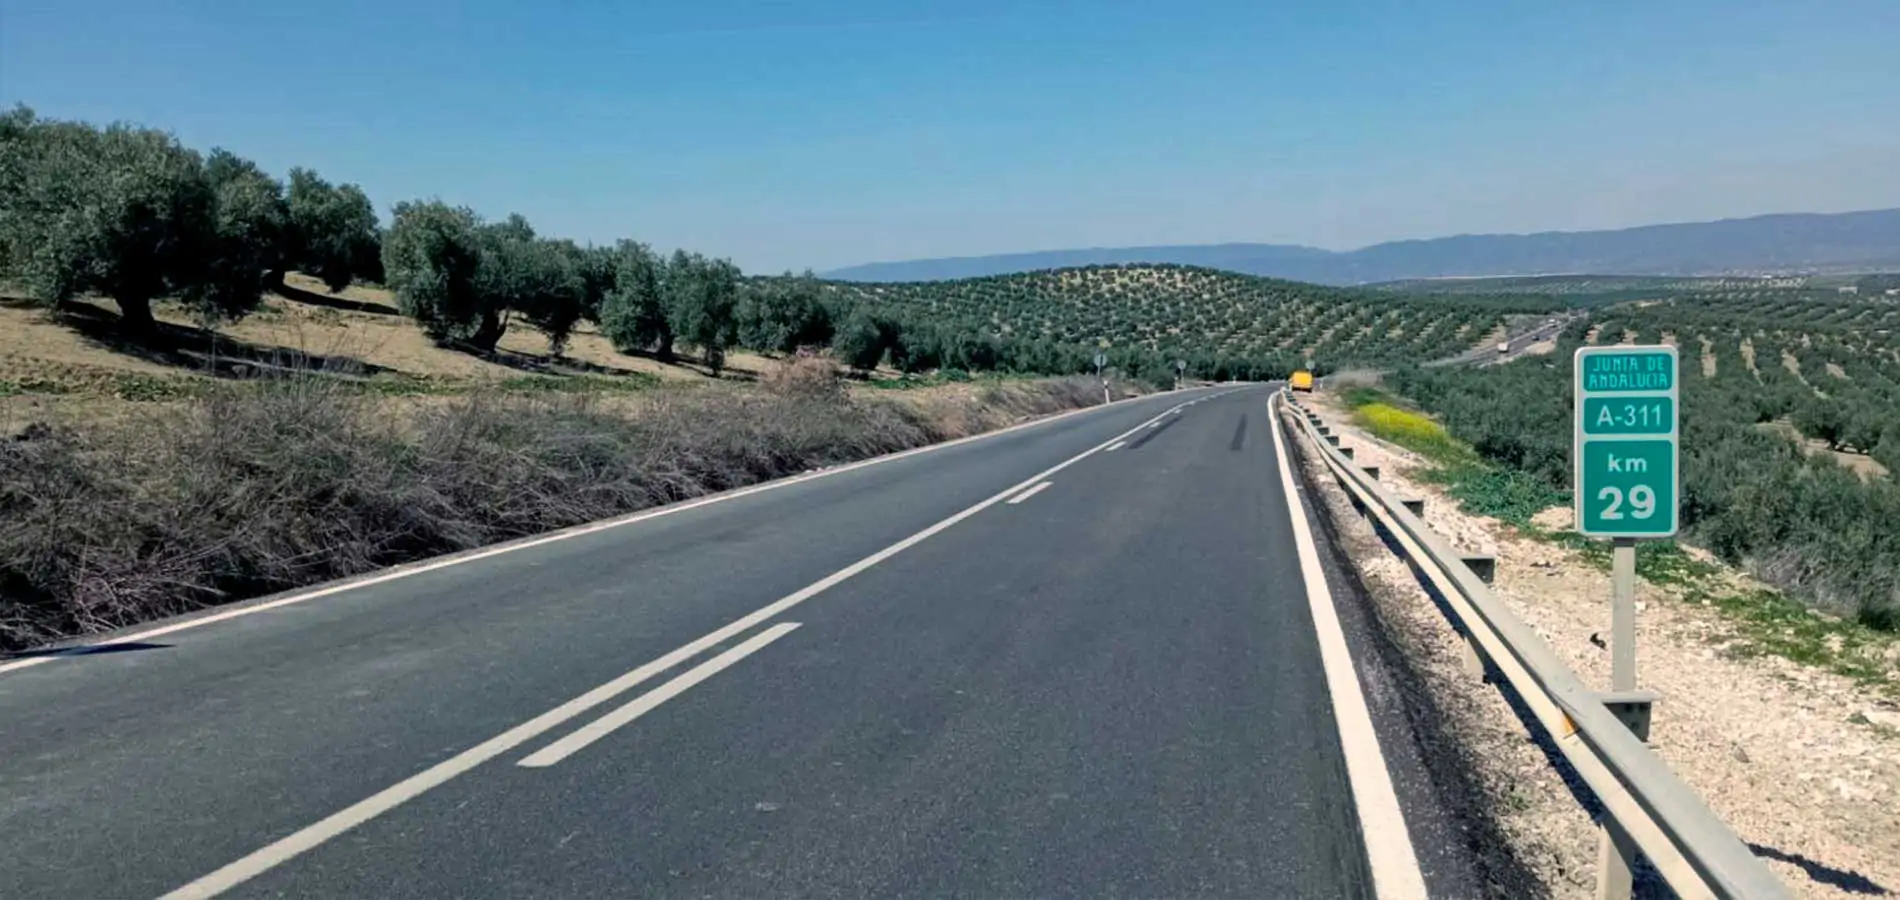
(1483, 565)
(1346, 452)
(1473, 659)
(1632, 708)
(1325, 429)
(1332, 439)
(1372, 472)
(1616, 855)
(1414, 505)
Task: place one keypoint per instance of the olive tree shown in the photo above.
(333, 233)
(566, 282)
(540, 279)
(248, 249)
(782, 314)
(128, 213)
(700, 296)
(859, 342)
(432, 260)
(633, 309)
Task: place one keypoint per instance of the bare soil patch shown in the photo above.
(1859, 463)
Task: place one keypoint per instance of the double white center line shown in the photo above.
(1030, 493)
(647, 702)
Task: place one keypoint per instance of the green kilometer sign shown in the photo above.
(1627, 464)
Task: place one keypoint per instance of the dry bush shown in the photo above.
(805, 375)
(1034, 398)
(269, 485)
(1352, 378)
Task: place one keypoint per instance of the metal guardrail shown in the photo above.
(1647, 808)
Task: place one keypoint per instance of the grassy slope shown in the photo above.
(357, 332)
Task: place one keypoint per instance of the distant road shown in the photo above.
(1075, 659)
(1489, 354)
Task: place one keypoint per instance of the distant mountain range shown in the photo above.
(1855, 241)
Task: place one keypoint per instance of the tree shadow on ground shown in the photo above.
(564, 365)
(1842, 879)
(85, 650)
(291, 292)
(541, 365)
(201, 350)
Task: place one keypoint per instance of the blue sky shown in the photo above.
(821, 134)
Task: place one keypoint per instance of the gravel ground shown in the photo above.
(1805, 765)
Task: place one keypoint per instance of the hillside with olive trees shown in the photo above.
(186, 246)
(1790, 429)
(1209, 318)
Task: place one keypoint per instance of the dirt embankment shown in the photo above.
(1803, 763)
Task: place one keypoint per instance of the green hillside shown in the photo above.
(1195, 313)
(1790, 431)
(1577, 285)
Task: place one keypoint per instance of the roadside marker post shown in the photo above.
(1628, 477)
(1101, 371)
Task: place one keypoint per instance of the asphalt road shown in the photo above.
(903, 679)
(1488, 353)
(1521, 342)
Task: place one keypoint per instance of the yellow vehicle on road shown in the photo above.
(1301, 381)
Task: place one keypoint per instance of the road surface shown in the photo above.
(1488, 353)
(1073, 659)
(1518, 343)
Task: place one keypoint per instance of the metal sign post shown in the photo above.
(1628, 478)
(1180, 372)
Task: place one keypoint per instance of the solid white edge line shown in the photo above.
(1030, 493)
(417, 568)
(581, 737)
(311, 836)
(1395, 871)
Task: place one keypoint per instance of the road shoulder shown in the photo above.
(1457, 843)
(1793, 757)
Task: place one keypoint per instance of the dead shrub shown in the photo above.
(805, 375)
(275, 484)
